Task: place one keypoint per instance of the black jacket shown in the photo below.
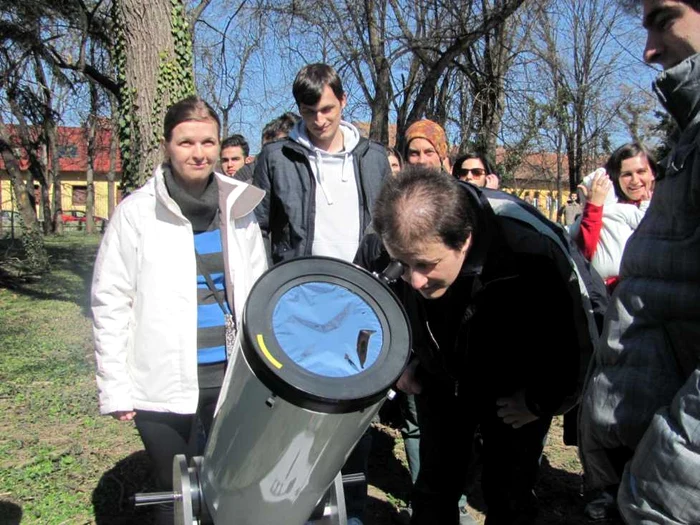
(286, 214)
(516, 317)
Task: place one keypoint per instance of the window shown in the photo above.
(67, 151)
(79, 195)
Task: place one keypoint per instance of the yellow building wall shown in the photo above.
(5, 195)
(101, 197)
(67, 193)
(543, 200)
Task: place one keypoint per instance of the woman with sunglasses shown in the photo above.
(475, 169)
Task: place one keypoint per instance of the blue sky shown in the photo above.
(266, 91)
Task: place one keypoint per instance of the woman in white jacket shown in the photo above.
(172, 274)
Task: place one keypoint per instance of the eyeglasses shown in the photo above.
(476, 172)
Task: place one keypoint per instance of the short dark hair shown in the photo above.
(395, 152)
(311, 80)
(419, 204)
(634, 6)
(281, 126)
(488, 165)
(189, 108)
(236, 140)
(624, 152)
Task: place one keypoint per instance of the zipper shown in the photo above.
(311, 203)
(455, 381)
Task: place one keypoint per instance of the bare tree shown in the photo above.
(396, 52)
(576, 68)
(151, 42)
(223, 56)
(485, 84)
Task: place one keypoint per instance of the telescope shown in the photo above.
(320, 344)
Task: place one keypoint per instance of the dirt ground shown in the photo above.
(559, 487)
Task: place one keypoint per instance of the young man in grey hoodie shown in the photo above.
(322, 180)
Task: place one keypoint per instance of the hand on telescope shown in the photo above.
(513, 410)
(123, 415)
(408, 382)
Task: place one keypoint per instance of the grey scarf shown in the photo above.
(202, 210)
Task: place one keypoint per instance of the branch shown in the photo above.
(87, 69)
(196, 12)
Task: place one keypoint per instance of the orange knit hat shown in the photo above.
(430, 131)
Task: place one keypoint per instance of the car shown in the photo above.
(8, 216)
(79, 216)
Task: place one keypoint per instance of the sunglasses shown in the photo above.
(476, 172)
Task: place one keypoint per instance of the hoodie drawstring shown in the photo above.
(321, 178)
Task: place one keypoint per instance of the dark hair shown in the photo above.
(281, 126)
(311, 80)
(488, 165)
(624, 152)
(189, 108)
(634, 6)
(395, 153)
(419, 204)
(236, 140)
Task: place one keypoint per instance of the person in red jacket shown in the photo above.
(607, 222)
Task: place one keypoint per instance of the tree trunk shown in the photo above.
(37, 259)
(90, 175)
(113, 152)
(154, 57)
(54, 175)
(90, 135)
(379, 126)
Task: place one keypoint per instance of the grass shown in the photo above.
(54, 448)
(63, 463)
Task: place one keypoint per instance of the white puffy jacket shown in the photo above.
(144, 294)
(619, 222)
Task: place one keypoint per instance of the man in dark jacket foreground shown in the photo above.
(640, 414)
(476, 285)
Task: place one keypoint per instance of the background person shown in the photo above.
(426, 145)
(618, 197)
(159, 322)
(279, 128)
(395, 160)
(276, 129)
(569, 212)
(235, 153)
(476, 169)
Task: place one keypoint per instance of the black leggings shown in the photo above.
(165, 434)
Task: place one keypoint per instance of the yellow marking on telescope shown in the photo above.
(266, 352)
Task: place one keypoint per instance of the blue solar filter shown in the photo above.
(327, 329)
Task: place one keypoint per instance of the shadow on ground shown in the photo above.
(559, 490)
(72, 258)
(112, 498)
(10, 513)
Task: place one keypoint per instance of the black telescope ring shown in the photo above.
(301, 387)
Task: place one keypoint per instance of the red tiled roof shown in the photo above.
(72, 148)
